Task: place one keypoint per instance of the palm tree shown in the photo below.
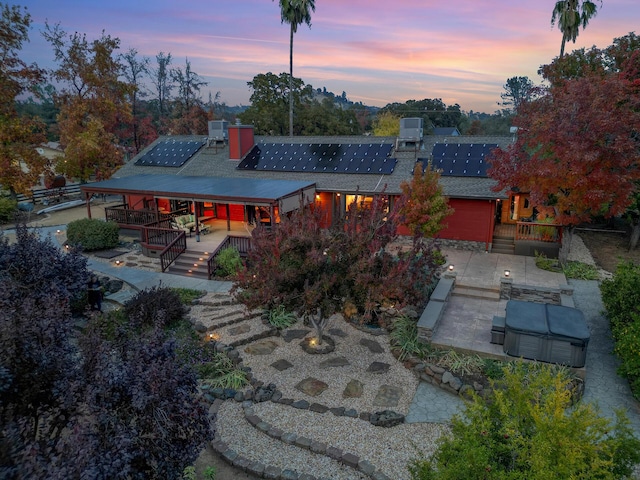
(571, 15)
(295, 12)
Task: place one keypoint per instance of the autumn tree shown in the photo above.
(386, 124)
(93, 102)
(140, 133)
(425, 208)
(577, 147)
(160, 76)
(348, 268)
(20, 163)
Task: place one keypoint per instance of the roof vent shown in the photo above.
(218, 131)
(411, 129)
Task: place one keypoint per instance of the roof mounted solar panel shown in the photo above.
(320, 158)
(170, 153)
(461, 159)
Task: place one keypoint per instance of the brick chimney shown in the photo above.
(240, 141)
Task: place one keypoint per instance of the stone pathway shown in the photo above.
(433, 405)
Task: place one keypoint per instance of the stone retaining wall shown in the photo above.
(528, 293)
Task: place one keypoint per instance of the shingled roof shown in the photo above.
(213, 161)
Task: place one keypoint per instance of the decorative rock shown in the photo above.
(289, 335)
(350, 460)
(466, 391)
(286, 401)
(333, 452)
(387, 396)
(337, 411)
(386, 418)
(365, 416)
(229, 393)
(452, 380)
(263, 426)
(306, 476)
(239, 396)
(200, 327)
(281, 365)
(318, 408)
(241, 462)
(478, 387)
(229, 455)
(289, 475)
(353, 389)
(372, 345)
(256, 468)
(271, 472)
(351, 413)
(311, 346)
(437, 369)
(262, 347)
(377, 475)
(301, 405)
(277, 395)
(303, 442)
(365, 467)
(239, 330)
(337, 332)
(275, 432)
(378, 367)
(335, 362)
(289, 438)
(253, 420)
(318, 447)
(263, 394)
(311, 386)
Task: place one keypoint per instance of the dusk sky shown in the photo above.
(377, 51)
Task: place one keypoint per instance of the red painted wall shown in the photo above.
(240, 141)
(236, 212)
(472, 220)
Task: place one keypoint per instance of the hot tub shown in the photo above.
(547, 333)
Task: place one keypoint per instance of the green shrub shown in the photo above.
(461, 364)
(8, 208)
(92, 234)
(627, 348)
(528, 428)
(222, 372)
(159, 306)
(548, 264)
(621, 295)
(581, 271)
(188, 295)
(280, 318)
(404, 337)
(228, 262)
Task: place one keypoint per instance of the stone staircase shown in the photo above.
(190, 264)
(503, 244)
(474, 291)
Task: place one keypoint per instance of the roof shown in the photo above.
(245, 190)
(213, 161)
(446, 131)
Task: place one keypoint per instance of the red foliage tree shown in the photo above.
(577, 146)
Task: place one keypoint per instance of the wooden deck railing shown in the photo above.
(541, 232)
(173, 250)
(123, 215)
(242, 244)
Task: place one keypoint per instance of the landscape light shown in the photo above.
(507, 273)
(451, 268)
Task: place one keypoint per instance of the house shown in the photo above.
(446, 131)
(260, 178)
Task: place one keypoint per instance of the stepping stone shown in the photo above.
(387, 396)
(372, 345)
(337, 332)
(335, 362)
(294, 334)
(262, 347)
(378, 367)
(281, 365)
(240, 329)
(353, 389)
(312, 386)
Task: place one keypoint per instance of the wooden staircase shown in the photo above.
(503, 244)
(190, 264)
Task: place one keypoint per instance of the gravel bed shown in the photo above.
(234, 430)
(388, 449)
(359, 357)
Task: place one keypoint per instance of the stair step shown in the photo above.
(505, 250)
(476, 292)
(503, 241)
(184, 271)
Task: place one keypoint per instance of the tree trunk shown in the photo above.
(565, 247)
(319, 325)
(291, 82)
(564, 40)
(635, 235)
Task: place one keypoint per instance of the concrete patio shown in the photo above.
(466, 322)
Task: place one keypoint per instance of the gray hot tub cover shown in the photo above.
(547, 320)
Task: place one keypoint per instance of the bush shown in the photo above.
(188, 295)
(228, 262)
(92, 234)
(404, 337)
(621, 295)
(627, 348)
(8, 208)
(157, 306)
(548, 264)
(222, 372)
(525, 429)
(280, 318)
(581, 271)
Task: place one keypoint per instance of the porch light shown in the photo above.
(195, 264)
(317, 197)
(451, 268)
(507, 273)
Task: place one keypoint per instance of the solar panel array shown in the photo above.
(461, 159)
(320, 158)
(170, 153)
